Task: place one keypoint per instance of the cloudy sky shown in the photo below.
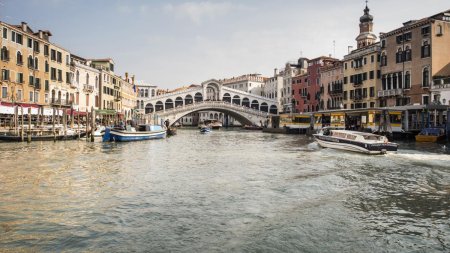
(174, 43)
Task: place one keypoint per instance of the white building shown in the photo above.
(273, 87)
(251, 83)
(144, 90)
(86, 84)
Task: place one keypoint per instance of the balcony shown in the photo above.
(390, 93)
(357, 97)
(336, 92)
(357, 83)
(441, 84)
(88, 88)
(117, 98)
(61, 102)
(37, 86)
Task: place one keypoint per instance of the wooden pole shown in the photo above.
(29, 125)
(87, 124)
(78, 122)
(53, 123)
(21, 129)
(92, 123)
(16, 120)
(64, 123)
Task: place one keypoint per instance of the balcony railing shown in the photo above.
(37, 86)
(336, 92)
(439, 84)
(88, 88)
(357, 97)
(61, 102)
(390, 93)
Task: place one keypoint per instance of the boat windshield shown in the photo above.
(372, 137)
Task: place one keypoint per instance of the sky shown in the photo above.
(174, 43)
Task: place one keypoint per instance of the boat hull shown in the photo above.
(429, 138)
(124, 136)
(366, 148)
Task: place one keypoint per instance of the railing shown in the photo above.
(336, 92)
(88, 88)
(212, 105)
(443, 83)
(177, 93)
(389, 93)
(62, 102)
(249, 94)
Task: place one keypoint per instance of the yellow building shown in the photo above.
(362, 68)
(24, 79)
(128, 94)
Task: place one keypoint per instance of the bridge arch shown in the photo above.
(198, 97)
(178, 101)
(212, 91)
(264, 107)
(255, 105)
(188, 99)
(159, 106)
(168, 104)
(227, 97)
(149, 108)
(273, 109)
(237, 100)
(246, 102)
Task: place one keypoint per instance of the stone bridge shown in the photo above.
(210, 96)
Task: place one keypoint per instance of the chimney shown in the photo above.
(41, 35)
(24, 26)
(132, 79)
(275, 72)
(350, 48)
(126, 76)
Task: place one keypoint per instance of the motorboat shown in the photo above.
(138, 133)
(362, 142)
(252, 127)
(205, 130)
(99, 131)
(431, 135)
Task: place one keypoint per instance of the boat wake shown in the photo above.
(425, 158)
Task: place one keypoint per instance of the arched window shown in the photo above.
(425, 77)
(383, 59)
(19, 58)
(407, 80)
(399, 55)
(407, 53)
(78, 76)
(47, 67)
(439, 30)
(30, 61)
(87, 78)
(5, 54)
(36, 63)
(96, 82)
(426, 52)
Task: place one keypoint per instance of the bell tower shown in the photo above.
(366, 36)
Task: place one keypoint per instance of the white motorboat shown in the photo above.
(367, 143)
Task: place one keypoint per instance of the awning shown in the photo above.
(75, 112)
(9, 109)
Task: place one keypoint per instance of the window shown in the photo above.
(68, 77)
(31, 80)
(53, 55)
(345, 65)
(46, 50)
(5, 33)
(30, 43)
(372, 92)
(46, 98)
(19, 78)
(36, 63)
(46, 67)
(365, 60)
(36, 46)
(425, 99)
(59, 75)
(4, 92)
(77, 77)
(425, 49)
(19, 58)
(19, 95)
(425, 77)
(399, 55)
(4, 54)
(19, 38)
(5, 74)
(407, 80)
(67, 59)
(372, 58)
(30, 62)
(426, 30)
(371, 74)
(383, 43)
(47, 85)
(439, 30)
(53, 74)
(59, 57)
(383, 59)
(31, 96)
(364, 92)
(37, 83)
(407, 54)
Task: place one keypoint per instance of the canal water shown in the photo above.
(227, 191)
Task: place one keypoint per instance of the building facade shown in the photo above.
(87, 82)
(251, 83)
(414, 57)
(332, 86)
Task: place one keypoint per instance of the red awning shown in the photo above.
(25, 105)
(75, 113)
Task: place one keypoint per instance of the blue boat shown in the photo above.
(205, 130)
(139, 133)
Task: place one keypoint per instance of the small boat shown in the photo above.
(171, 131)
(430, 135)
(99, 131)
(205, 130)
(362, 142)
(252, 127)
(138, 133)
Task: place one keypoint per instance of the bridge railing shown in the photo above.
(214, 104)
(176, 93)
(254, 96)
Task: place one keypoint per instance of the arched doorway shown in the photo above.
(178, 102)
(159, 106)
(188, 100)
(236, 100)
(273, 109)
(212, 91)
(246, 102)
(226, 97)
(264, 107)
(198, 97)
(169, 104)
(255, 105)
(149, 108)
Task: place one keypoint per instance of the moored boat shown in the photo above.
(362, 142)
(252, 127)
(139, 133)
(70, 135)
(205, 130)
(430, 135)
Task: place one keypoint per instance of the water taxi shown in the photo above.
(362, 142)
(139, 133)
